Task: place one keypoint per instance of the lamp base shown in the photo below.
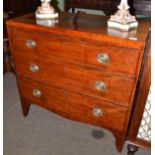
(122, 20)
(47, 22)
(123, 27)
(53, 15)
(124, 34)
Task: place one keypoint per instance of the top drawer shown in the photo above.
(75, 50)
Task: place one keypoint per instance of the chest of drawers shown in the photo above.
(78, 69)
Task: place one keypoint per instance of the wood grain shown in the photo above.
(75, 106)
(60, 47)
(91, 27)
(76, 78)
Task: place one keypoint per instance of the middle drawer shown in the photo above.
(80, 79)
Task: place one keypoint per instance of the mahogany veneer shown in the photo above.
(78, 107)
(78, 69)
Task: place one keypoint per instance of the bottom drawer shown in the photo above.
(72, 105)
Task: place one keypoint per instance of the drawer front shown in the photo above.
(87, 81)
(94, 54)
(72, 105)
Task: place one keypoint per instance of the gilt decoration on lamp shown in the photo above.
(46, 11)
(122, 19)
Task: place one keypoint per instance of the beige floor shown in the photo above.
(44, 133)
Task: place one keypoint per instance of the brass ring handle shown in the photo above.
(99, 85)
(103, 58)
(34, 68)
(31, 43)
(37, 93)
(97, 112)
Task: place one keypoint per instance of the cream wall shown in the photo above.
(61, 4)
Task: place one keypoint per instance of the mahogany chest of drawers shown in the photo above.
(79, 69)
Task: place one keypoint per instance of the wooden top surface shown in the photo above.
(91, 26)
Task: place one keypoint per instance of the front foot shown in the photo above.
(25, 107)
